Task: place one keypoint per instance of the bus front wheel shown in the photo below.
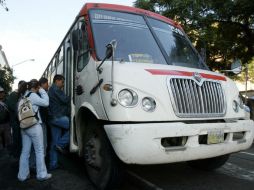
(102, 166)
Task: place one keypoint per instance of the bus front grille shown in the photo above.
(191, 99)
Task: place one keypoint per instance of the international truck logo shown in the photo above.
(197, 77)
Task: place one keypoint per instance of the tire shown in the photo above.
(209, 163)
(102, 166)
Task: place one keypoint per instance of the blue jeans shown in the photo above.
(60, 136)
(32, 135)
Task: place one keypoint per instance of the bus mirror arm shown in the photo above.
(109, 53)
(236, 67)
(113, 100)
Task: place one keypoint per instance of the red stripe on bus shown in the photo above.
(215, 77)
(184, 73)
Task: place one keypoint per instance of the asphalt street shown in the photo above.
(237, 173)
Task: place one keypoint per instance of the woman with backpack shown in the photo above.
(32, 135)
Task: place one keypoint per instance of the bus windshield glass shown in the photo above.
(178, 48)
(135, 42)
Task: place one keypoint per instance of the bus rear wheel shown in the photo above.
(209, 163)
(102, 166)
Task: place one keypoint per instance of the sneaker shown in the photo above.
(48, 176)
(22, 180)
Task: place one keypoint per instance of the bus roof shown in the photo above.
(123, 8)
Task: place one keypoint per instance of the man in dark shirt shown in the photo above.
(59, 111)
(5, 129)
(12, 101)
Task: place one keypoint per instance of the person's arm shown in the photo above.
(42, 101)
(61, 96)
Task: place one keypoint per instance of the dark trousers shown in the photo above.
(5, 135)
(16, 137)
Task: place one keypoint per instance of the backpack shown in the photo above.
(26, 115)
(4, 113)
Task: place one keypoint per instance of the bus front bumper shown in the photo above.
(142, 143)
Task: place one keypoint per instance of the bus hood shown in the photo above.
(180, 93)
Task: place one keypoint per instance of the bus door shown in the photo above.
(87, 91)
(68, 74)
(80, 60)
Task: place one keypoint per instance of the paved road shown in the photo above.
(237, 173)
(65, 178)
(71, 176)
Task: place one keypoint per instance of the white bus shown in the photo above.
(141, 94)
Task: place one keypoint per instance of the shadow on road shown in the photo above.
(65, 178)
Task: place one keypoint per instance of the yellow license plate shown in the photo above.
(215, 136)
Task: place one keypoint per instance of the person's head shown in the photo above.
(23, 86)
(2, 93)
(34, 85)
(20, 83)
(44, 83)
(58, 80)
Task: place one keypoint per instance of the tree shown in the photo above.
(6, 78)
(2, 2)
(224, 28)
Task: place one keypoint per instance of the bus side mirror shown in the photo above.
(236, 67)
(110, 47)
(109, 51)
(75, 39)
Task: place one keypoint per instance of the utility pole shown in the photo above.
(246, 81)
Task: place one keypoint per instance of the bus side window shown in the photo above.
(82, 46)
(49, 74)
(53, 70)
(60, 62)
(67, 71)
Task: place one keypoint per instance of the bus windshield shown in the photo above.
(178, 48)
(135, 42)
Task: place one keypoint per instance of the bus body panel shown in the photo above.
(141, 143)
(87, 79)
(129, 75)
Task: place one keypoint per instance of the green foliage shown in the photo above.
(224, 28)
(6, 78)
(251, 71)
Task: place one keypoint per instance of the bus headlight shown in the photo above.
(148, 104)
(128, 98)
